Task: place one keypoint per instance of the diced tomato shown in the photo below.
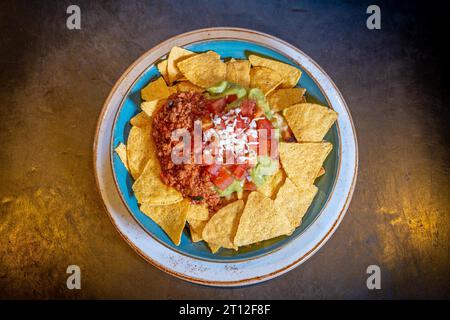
(264, 134)
(223, 179)
(248, 107)
(213, 169)
(259, 113)
(240, 123)
(240, 171)
(216, 106)
(249, 186)
(264, 124)
(230, 167)
(220, 125)
(231, 98)
(263, 146)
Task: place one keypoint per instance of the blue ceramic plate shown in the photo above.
(194, 262)
(130, 107)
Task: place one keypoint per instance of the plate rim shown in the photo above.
(318, 244)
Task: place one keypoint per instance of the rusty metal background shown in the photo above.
(54, 82)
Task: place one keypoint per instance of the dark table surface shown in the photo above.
(54, 82)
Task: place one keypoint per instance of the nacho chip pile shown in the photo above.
(277, 207)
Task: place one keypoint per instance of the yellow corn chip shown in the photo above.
(141, 120)
(196, 228)
(265, 79)
(282, 98)
(321, 172)
(222, 226)
(260, 221)
(204, 69)
(186, 86)
(270, 188)
(290, 74)
(302, 161)
(171, 218)
(294, 201)
(121, 151)
(162, 68)
(155, 90)
(176, 55)
(140, 148)
(309, 122)
(149, 188)
(214, 247)
(198, 212)
(238, 71)
(150, 107)
(173, 89)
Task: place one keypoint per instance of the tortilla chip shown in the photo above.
(270, 188)
(260, 221)
(238, 71)
(222, 226)
(196, 228)
(155, 90)
(149, 107)
(171, 218)
(302, 161)
(176, 55)
(282, 98)
(321, 172)
(139, 149)
(162, 68)
(198, 212)
(265, 79)
(290, 74)
(141, 120)
(121, 151)
(309, 122)
(213, 247)
(173, 89)
(186, 86)
(149, 188)
(294, 201)
(204, 69)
